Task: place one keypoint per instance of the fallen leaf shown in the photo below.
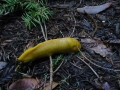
(24, 84)
(30, 84)
(47, 86)
(102, 50)
(94, 9)
(3, 65)
(97, 46)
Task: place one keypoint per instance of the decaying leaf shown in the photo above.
(24, 84)
(94, 9)
(31, 84)
(47, 86)
(97, 46)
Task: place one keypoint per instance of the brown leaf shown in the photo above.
(47, 86)
(24, 84)
(94, 9)
(97, 46)
(30, 84)
(102, 50)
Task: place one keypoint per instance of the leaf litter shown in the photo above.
(97, 46)
(31, 84)
(62, 24)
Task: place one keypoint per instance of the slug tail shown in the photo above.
(25, 57)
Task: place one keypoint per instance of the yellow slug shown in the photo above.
(50, 47)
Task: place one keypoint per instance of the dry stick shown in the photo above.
(89, 66)
(58, 66)
(94, 23)
(43, 32)
(96, 64)
(51, 66)
(75, 65)
(51, 72)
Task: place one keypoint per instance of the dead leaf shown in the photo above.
(97, 46)
(94, 9)
(30, 84)
(24, 84)
(47, 86)
(102, 50)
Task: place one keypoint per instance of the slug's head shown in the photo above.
(26, 56)
(74, 44)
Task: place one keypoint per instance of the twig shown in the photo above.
(44, 32)
(51, 72)
(89, 67)
(58, 66)
(62, 33)
(75, 65)
(94, 23)
(96, 64)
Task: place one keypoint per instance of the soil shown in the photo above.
(73, 73)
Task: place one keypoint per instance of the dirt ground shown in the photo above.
(73, 72)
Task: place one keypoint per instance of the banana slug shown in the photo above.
(50, 47)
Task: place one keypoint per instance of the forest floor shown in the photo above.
(95, 67)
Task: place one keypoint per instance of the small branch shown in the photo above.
(75, 65)
(44, 32)
(96, 64)
(58, 66)
(94, 24)
(89, 67)
(51, 72)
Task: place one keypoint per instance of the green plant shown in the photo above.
(34, 11)
(57, 60)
